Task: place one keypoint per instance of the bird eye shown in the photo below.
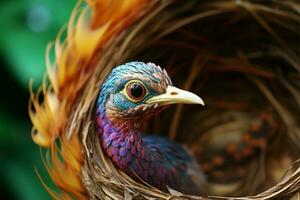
(136, 91)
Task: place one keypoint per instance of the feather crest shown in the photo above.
(90, 28)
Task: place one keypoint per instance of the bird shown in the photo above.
(132, 93)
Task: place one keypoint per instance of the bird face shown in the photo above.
(137, 90)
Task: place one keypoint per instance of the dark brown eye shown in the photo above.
(136, 91)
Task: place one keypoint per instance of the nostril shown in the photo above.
(174, 93)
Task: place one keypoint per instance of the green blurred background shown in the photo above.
(27, 26)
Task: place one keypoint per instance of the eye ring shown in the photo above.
(135, 90)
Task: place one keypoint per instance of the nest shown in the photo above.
(242, 57)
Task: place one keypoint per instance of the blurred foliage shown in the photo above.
(27, 26)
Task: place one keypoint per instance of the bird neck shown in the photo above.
(120, 129)
(122, 141)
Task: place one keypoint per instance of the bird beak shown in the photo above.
(175, 95)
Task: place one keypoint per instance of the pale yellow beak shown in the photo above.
(174, 95)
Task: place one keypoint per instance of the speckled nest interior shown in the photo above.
(243, 58)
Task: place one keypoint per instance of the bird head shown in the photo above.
(137, 90)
